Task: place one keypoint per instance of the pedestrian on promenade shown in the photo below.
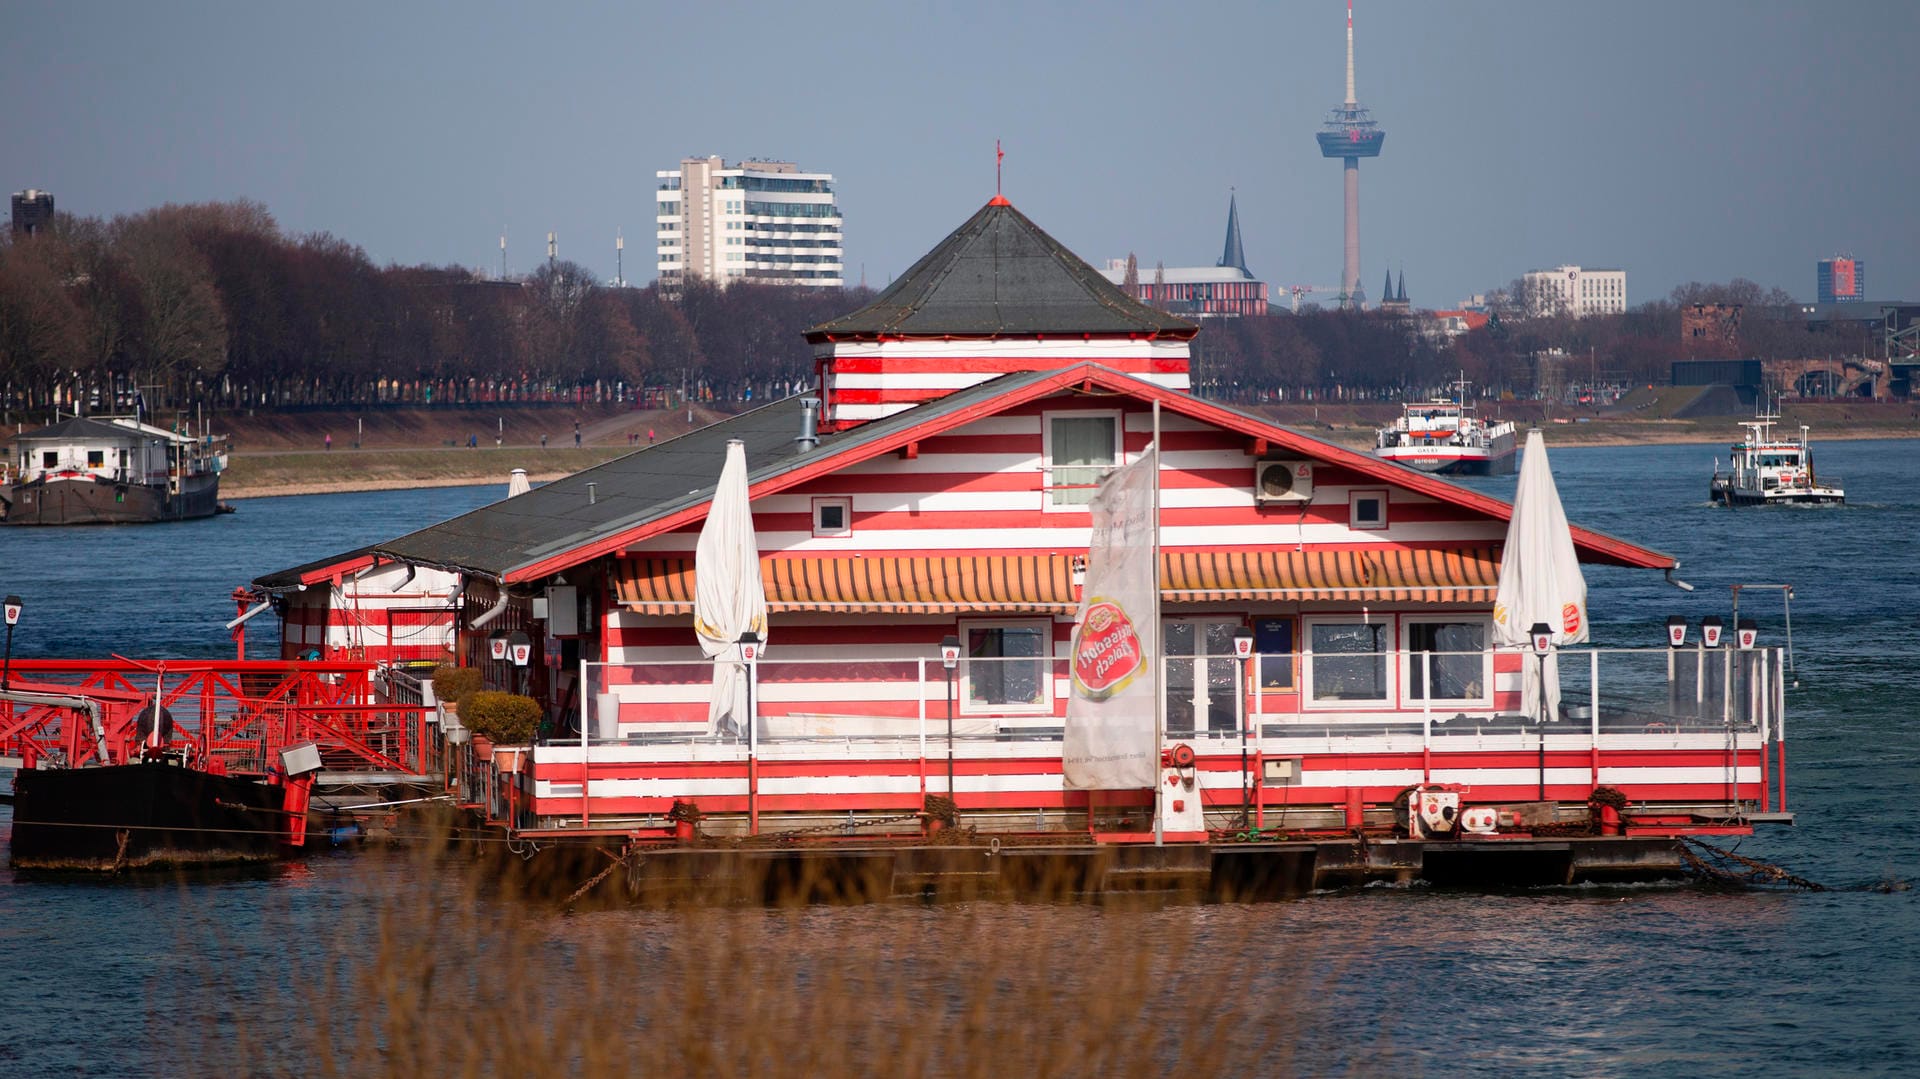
(329, 441)
(543, 440)
(576, 434)
(649, 436)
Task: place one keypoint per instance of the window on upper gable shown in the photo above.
(1081, 449)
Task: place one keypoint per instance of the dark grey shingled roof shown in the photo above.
(634, 490)
(80, 427)
(1001, 274)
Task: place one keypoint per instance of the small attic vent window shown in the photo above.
(833, 517)
(1367, 510)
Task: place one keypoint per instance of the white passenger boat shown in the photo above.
(1446, 437)
(1769, 469)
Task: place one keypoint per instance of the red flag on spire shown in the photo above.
(999, 155)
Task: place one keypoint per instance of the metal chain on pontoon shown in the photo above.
(1752, 871)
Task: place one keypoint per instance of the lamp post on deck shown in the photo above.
(1243, 651)
(1542, 635)
(520, 648)
(750, 647)
(1676, 640)
(13, 615)
(750, 650)
(949, 658)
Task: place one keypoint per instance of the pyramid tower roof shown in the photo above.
(999, 274)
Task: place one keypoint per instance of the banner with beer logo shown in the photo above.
(1110, 742)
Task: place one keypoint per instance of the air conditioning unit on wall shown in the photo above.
(1282, 481)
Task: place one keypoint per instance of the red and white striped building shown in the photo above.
(965, 416)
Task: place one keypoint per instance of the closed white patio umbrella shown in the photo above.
(1540, 580)
(729, 599)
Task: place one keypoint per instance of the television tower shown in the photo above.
(1350, 134)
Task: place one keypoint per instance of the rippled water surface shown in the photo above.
(1573, 982)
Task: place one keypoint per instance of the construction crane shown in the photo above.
(1302, 290)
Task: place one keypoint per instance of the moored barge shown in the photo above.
(113, 471)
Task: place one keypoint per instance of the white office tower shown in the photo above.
(765, 222)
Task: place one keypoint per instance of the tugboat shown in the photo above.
(1767, 469)
(1445, 437)
(115, 470)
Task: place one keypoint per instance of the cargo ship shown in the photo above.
(1445, 437)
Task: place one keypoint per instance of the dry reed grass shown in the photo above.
(450, 973)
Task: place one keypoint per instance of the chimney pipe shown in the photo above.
(809, 423)
(592, 493)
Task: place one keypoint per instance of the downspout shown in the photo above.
(491, 613)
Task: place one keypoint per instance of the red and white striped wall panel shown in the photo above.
(866, 380)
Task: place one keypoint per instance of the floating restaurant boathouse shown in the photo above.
(935, 488)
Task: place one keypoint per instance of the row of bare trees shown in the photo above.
(1320, 354)
(213, 305)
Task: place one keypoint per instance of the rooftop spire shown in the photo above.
(1234, 255)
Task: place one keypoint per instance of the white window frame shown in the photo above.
(1119, 419)
(1353, 509)
(1309, 701)
(845, 503)
(1408, 621)
(963, 689)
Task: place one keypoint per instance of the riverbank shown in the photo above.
(1650, 424)
(287, 454)
(340, 471)
(303, 453)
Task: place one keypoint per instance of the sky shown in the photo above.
(1678, 141)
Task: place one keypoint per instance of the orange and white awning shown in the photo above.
(959, 584)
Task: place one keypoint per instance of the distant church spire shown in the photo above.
(1234, 255)
(1402, 294)
(1386, 290)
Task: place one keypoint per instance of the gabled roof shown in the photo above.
(668, 486)
(1001, 274)
(85, 429)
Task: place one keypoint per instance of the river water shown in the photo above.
(1574, 982)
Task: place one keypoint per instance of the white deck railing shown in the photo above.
(1606, 693)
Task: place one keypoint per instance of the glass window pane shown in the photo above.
(1006, 665)
(1082, 449)
(1349, 661)
(1459, 663)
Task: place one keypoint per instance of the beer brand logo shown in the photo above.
(1106, 651)
(1570, 618)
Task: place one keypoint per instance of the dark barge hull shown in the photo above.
(83, 501)
(140, 816)
(1232, 872)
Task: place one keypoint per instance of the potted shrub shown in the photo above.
(451, 685)
(505, 719)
